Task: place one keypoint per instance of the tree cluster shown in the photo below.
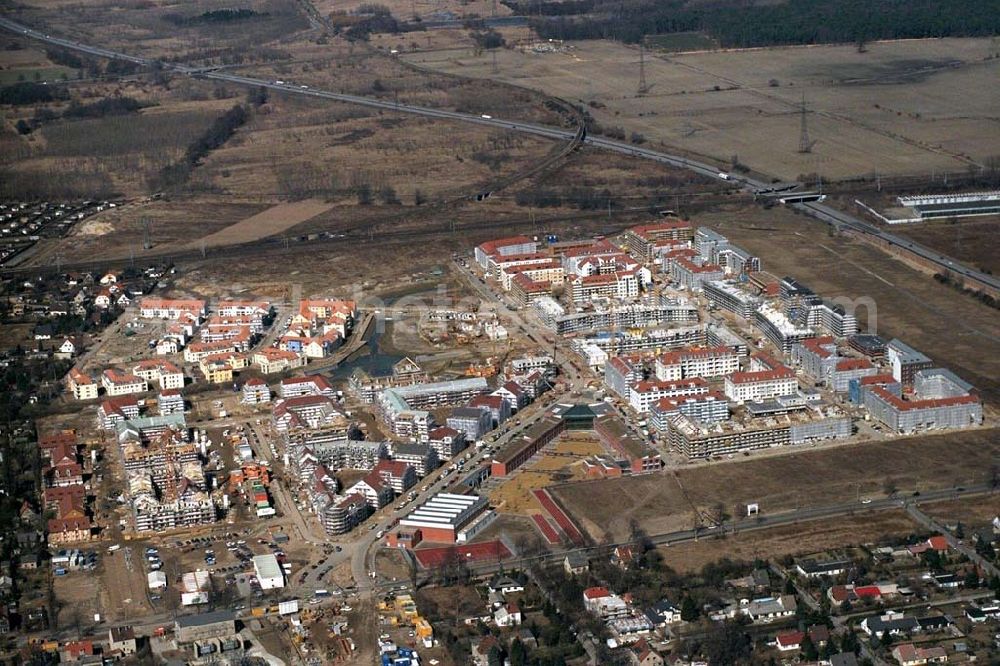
(737, 24)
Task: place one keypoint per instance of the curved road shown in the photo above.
(817, 210)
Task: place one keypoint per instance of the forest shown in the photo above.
(797, 22)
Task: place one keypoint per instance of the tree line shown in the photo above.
(801, 22)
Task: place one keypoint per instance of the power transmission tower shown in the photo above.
(643, 88)
(805, 144)
(147, 233)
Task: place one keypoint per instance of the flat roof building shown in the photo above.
(448, 518)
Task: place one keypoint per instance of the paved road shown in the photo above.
(817, 210)
(988, 567)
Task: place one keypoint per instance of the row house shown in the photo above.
(162, 372)
(697, 362)
(117, 383)
(271, 360)
(71, 522)
(643, 394)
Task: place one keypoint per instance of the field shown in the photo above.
(22, 61)
(971, 512)
(266, 223)
(953, 330)
(167, 30)
(971, 239)
(427, 10)
(667, 502)
(803, 538)
(514, 496)
(890, 109)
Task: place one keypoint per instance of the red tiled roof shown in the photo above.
(847, 364)
(596, 593)
(877, 379)
(653, 384)
(692, 267)
(930, 403)
(760, 376)
(678, 355)
(489, 247)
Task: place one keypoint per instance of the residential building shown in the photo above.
(271, 360)
(81, 385)
(256, 392)
(906, 361)
(642, 241)
(769, 609)
(727, 295)
(692, 275)
(643, 394)
(504, 247)
(742, 387)
(161, 372)
(117, 383)
(779, 329)
(170, 401)
(294, 387)
(422, 457)
(696, 362)
(165, 308)
(448, 441)
(497, 406)
(706, 409)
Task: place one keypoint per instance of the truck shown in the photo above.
(115, 547)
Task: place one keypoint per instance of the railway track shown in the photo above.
(833, 217)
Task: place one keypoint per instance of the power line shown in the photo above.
(805, 144)
(643, 88)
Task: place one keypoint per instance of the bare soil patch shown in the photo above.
(799, 539)
(268, 222)
(665, 502)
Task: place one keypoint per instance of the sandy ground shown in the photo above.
(272, 221)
